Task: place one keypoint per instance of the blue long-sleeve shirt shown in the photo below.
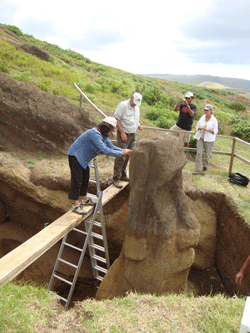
(91, 143)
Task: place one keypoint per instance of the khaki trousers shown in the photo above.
(122, 161)
(202, 145)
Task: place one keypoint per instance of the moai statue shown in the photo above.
(161, 232)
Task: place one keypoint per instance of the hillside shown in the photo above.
(233, 84)
(212, 85)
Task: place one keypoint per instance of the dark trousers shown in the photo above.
(79, 179)
(121, 162)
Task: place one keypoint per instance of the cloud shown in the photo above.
(96, 40)
(220, 35)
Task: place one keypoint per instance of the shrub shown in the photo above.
(192, 144)
(237, 106)
(3, 67)
(164, 122)
(25, 77)
(92, 87)
(14, 29)
(242, 132)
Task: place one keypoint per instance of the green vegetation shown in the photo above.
(107, 86)
(26, 309)
(23, 308)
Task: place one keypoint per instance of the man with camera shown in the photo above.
(187, 111)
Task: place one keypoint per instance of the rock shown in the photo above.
(205, 251)
(161, 231)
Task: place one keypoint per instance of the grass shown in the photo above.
(25, 309)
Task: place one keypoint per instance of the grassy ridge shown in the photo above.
(26, 309)
(106, 86)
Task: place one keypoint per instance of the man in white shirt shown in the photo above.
(127, 114)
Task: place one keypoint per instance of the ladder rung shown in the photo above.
(98, 247)
(100, 278)
(67, 263)
(62, 298)
(95, 256)
(94, 234)
(100, 269)
(62, 279)
(73, 247)
(98, 224)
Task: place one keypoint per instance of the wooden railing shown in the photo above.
(232, 154)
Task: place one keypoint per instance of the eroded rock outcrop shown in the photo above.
(161, 231)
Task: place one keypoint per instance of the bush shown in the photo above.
(92, 87)
(164, 122)
(223, 120)
(242, 132)
(237, 106)
(192, 144)
(14, 29)
(152, 95)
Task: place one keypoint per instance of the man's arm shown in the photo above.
(239, 276)
(177, 107)
(120, 129)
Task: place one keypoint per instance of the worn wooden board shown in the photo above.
(24, 255)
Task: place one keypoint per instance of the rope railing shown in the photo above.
(234, 139)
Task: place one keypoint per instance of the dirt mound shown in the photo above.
(32, 119)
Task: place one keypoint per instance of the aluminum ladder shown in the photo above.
(96, 242)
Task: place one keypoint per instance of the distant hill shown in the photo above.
(212, 85)
(231, 84)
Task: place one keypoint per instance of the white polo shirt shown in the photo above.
(128, 116)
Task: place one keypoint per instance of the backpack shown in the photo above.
(238, 179)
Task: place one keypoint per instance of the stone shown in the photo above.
(161, 231)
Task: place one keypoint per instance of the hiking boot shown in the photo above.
(203, 171)
(78, 209)
(117, 183)
(87, 202)
(125, 178)
(196, 172)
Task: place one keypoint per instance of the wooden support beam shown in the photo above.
(24, 255)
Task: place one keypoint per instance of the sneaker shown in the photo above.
(78, 209)
(125, 178)
(117, 183)
(196, 172)
(87, 202)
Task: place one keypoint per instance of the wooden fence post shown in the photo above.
(232, 156)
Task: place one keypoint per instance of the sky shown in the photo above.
(210, 37)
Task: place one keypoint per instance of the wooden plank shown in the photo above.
(24, 255)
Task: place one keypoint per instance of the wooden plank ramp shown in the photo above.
(24, 255)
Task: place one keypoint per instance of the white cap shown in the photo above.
(111, 121)
(137, 97)
(189, 94)
(208, 107)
